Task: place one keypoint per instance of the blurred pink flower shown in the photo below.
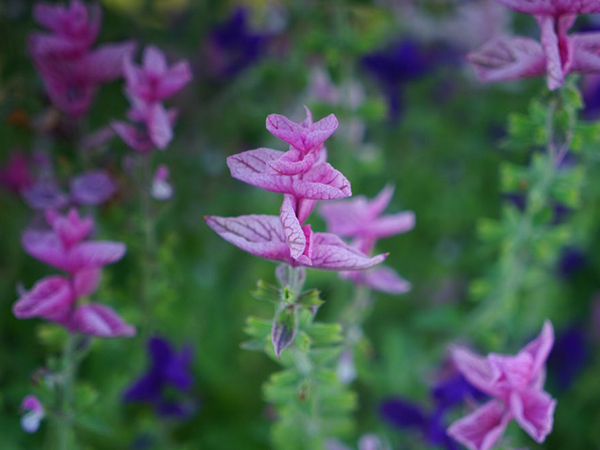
(516, 385)
(558, 54)
(54, 298)
(360, 219)
(15, 174)
(161, 188)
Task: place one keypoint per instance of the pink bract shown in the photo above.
(263, 236)
(98, 320)
(516, 384)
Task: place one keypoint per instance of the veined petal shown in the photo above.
(105, 63)
(305, 136)
(503, 59)
(45, 246)
(50, 298)
(540, 348)
(293, 162)
(323, 182)
(586, 52)
(481, 429)
(98, 320)
(534, 411)
(557, 47)
(552, 7)
(385, 279)
(292, 229)
(94, 254)
(259, 235)
(329, 252)
(159, 126)
(85, 282)
(477, 370)
(177, 77)
(517, 370)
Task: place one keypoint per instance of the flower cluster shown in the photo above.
(70, 68)
(515, 384)
(56, 298)
(359, 219)
(559, 53)
(147, 87)
(303, 175)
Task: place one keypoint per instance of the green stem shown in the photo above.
(66, 436)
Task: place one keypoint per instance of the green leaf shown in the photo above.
(266, 292)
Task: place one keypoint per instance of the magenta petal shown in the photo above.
(154, 61)
(477, 370)
(45, 246)
(159, 126)
(552, 7)
(329, 252)
(292, 230)
(293, 162)
(85, 282)
(385, 279)
(481, 429)
(534, 411)
(586, 52)
(51, 298)
(556, 68)
(379, 203)
(539, 348)
(177, 77)
(323, 182)
(517, 370)
(105, 63)
(504, 59)
(69, 228)
(98, 320)
(393, 224)
(132, 136)
(305, 136)
(95, 254)
(259, 235)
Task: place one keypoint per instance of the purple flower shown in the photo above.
(516, 385)
(161, 188)
(231, 46)
(571, 261)
(167, 369)
(30, 421)
(360, 219)
(568, 357)
(394, 66)
(558, 53)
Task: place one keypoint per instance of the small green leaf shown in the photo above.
(266, 292)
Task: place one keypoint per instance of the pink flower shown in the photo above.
(74, 28)
(55, 298)
(360, 219)
(15, 174)
(558, 54)
(516, 385)
(161, 188)
(30, 421)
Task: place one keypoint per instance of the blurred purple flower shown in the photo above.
(167, 369)
(560, 212)
(161, 188)
(571, 261)
(396, 65)
(568, 357)
(232, 46)
(590, 90)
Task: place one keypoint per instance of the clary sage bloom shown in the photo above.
(303, 176)
(558, 53)
(70, 68)
(55, 298)
(360, 219)
(515, 384)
